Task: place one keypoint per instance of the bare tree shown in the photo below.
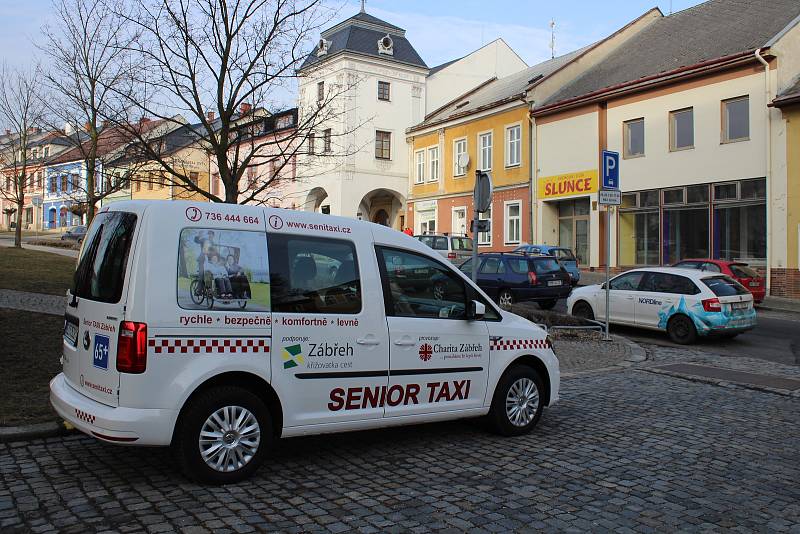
(88, 46)
(222, 64)
(21, 113)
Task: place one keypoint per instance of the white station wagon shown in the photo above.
(217, 328)
(685, 303)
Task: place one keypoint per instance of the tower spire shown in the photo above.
(552, 38)
(363, 6)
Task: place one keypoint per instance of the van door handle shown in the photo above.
(404, 342)
(369, 340)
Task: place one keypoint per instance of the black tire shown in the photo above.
(499, 419)
(505, 299)
(547, 304)
(681, 330)
(186, 446)
(195, 292)
(583, 310)
(729, 335)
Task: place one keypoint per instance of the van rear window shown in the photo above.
(724, 286)
(100, 274)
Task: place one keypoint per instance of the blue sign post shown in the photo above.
(610, 170)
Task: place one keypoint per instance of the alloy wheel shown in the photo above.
(229, 438)
(522, 402)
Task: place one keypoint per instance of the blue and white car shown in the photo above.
(564, 256)
(686, 303)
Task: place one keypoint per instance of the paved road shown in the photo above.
(625, 450)
(776, 338)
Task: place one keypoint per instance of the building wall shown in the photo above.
(184, 161)
(495, 59)
(785, 280)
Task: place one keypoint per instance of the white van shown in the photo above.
(218, 328)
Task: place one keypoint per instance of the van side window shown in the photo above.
(313, 275)
(223, 270)
(418, 286)
(100, 274)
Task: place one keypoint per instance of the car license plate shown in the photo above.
(754, 284)
(70, 331)
(739, 305)
(554, 283)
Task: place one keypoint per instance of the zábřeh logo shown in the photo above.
(292, 356)
(425, 352)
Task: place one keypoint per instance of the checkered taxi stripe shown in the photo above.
(519, 344)
(84, 416)
(209, 345)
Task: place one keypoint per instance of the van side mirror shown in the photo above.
(477, 310)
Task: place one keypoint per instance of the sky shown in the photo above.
(440, 30)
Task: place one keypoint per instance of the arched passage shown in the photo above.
(382, 206)
(315, 199)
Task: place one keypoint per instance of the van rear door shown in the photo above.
(96, 306)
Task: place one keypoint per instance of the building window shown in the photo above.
(459, 148)
(425, 217)
(638, 238)
(485, 144)
(46, 151)
(39, 179)
(485, 238)
(433, 161)
(513, 219)
(320, 91)
(63, 183)
(138, 186)
(513, 146)
(736, 119)
(419, 172)
(383, 91)
(725, 191)
(634, 138)
(673, 196)
(193, 176)
(383, 144)
(681, 129)
(311, 137)
(326, 140)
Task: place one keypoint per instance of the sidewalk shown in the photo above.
(54, 250)
(32, 302)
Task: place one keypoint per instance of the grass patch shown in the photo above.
(35, 271)
(29, 360)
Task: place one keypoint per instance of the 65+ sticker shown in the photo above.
(100, 358)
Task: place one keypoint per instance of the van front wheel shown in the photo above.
(223, 435)
(517, 404)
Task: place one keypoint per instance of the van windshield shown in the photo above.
(100, 274)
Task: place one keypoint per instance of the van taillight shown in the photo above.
(532, 278)
(132, 347)
(712, 305)
(451, 255)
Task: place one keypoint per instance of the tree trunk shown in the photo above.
(18, 229)
(90, 198)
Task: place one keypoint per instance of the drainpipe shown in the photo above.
(768, 141)
(531, 174)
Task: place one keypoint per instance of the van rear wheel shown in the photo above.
(223, 435)
(517, 404)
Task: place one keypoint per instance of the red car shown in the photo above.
(747, 276)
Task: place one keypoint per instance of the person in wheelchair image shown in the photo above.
(239, 282)
(216, 273)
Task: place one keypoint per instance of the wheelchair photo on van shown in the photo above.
(220, 280)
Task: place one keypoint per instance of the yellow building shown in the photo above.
(785, 282)
(484, 129)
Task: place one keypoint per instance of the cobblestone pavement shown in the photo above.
(626, 450)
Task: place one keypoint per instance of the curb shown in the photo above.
(35, 431)
(637, 355)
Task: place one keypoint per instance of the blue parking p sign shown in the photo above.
(610, 170)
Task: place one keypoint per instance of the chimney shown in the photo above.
(87, 126)
(244, 109)
(210, 115)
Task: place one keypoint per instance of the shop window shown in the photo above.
(419, 174)
(648, 199)
(740, 232)
(485, 144)
(582, 206)
(566, 208)
(685, 234)
(485, 238)
(629, 200)
(696, 194)
(681, 131)
(753, 189)
(736, 120)
(383, 145)
(725, 191)
(513, 220)
(433, 161)
(673, 196)
(412, 280)
(513, 145)
(638, 238)
(459, 147)
(634, 138)
(427, 221)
